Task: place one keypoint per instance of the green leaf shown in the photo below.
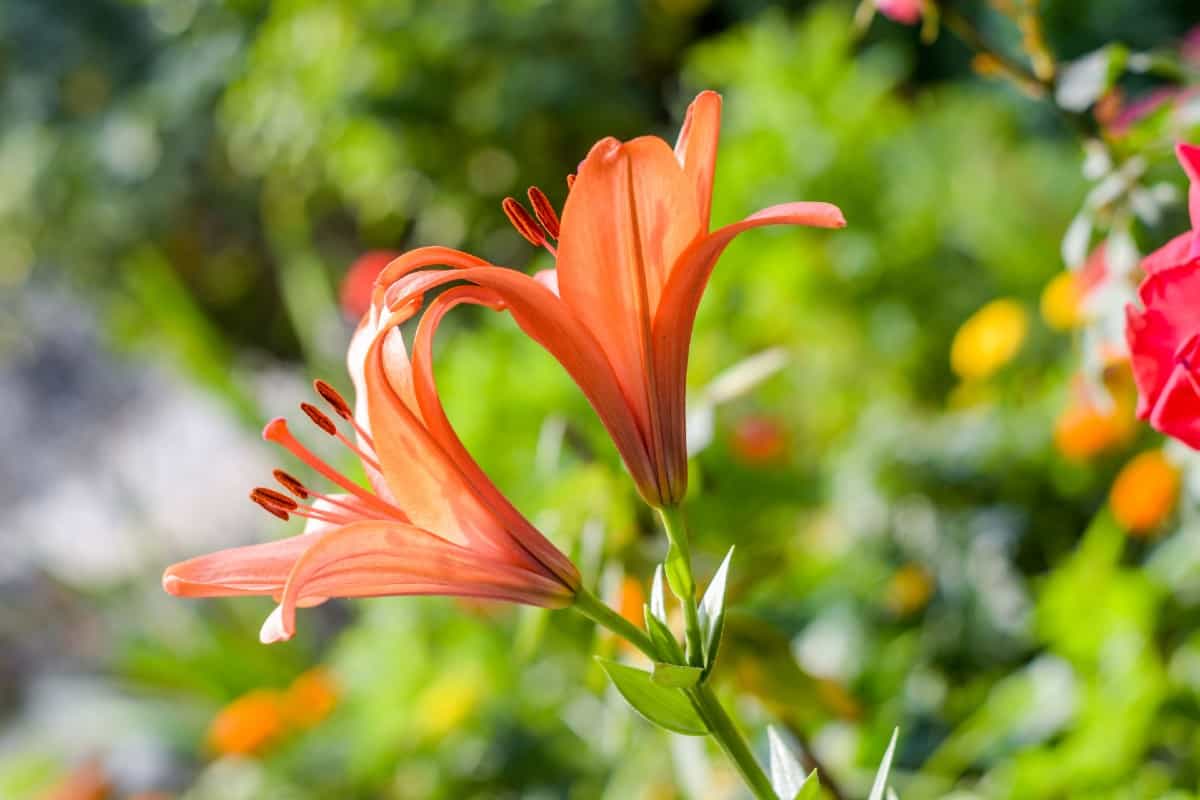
(811, 790)
(664, 641)
(712, 613)
(676, 676)
(668, 708)
(658, 602)
(885, 767)
(787, 776)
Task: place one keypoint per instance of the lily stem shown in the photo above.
(679, 577)
(731, 741)
(591, 607)
(703, 699)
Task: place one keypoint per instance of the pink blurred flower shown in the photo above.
(1164, 336)
(906, 12)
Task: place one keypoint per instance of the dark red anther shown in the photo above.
(291, 484)
(268, 500)
(523, 222)
(544, 210)
(571, 181)
(319, 418)
(334, 398)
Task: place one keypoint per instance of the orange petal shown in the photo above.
(549, 322)
(523, 533)
(423, 478)
(681, 297)
(257, 569)
(630, 215)
(372, 559)
(696, 148)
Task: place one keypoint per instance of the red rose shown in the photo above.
(1164, 337)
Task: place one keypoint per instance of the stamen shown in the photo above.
(544, 210)
(277, 431)
(342, 409)
(319, 419)
(291, 484)
(523, 222)
(269, 506)
(326, 424)
(277, 499)
(335, 400)
(571, 181)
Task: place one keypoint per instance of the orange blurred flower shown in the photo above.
(1088, 426)
(311, 697)
(88, 781)
(1145, 492)
(758, 440)
(249, 724)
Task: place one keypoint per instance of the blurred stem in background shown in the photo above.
(303, 284)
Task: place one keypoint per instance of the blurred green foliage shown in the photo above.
(915, 554)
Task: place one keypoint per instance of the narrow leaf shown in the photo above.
(712, 612)
(658, 603)
(664, 641)
(675, 675)
(885, 766)
(787, 776)
(668, 708)
(811, 790)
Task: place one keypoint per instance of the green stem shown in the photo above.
(732, 742)
(591, 607)
(705, 701)
(679, 576)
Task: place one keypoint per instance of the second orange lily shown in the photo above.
(634, 253)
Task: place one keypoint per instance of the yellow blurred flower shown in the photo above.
(989, 339)
(909, 590)
(249, 724)
(1145, 492)
(448, 702)
(1062, 302)
(311, 697)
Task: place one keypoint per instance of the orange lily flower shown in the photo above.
(634, 253)
(432, 522)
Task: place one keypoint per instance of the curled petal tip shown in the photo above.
(172, 584)
(273, 629)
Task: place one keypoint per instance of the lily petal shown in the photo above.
(434, 413)
(676, 313)
(549, 322)
(696, 148)
(629, 216)
(371, 559)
